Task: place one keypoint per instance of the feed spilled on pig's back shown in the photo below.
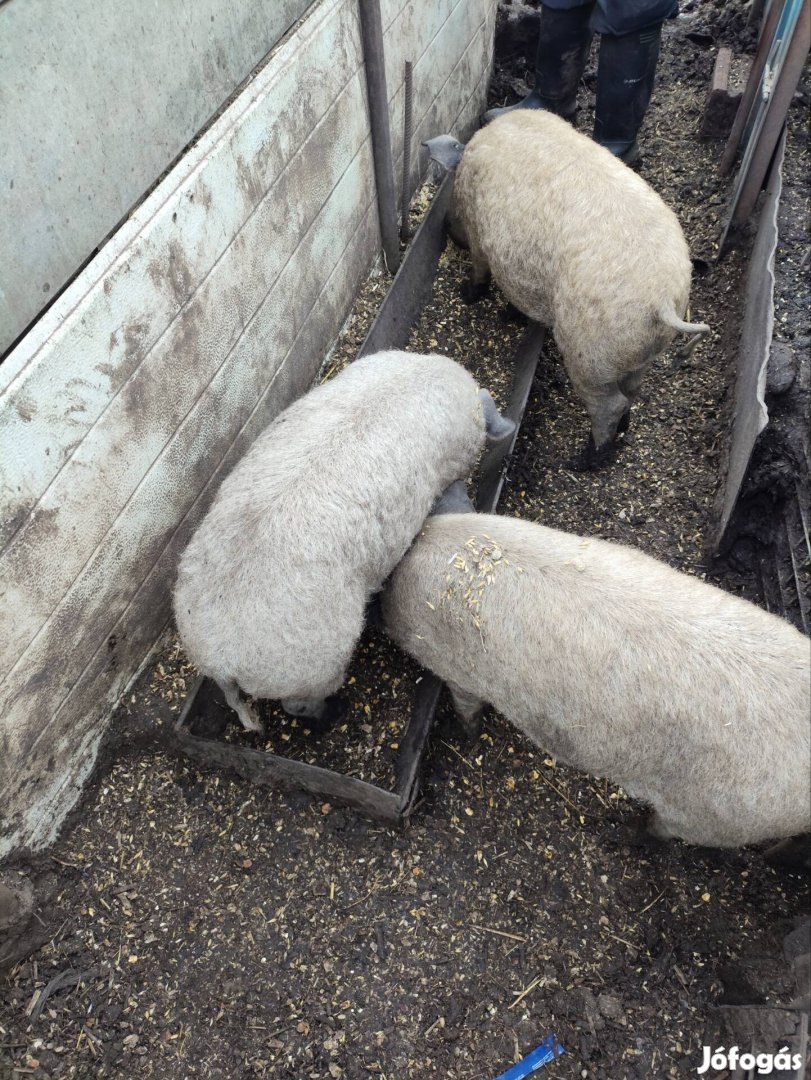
(693, 700)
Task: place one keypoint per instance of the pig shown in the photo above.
(271, 590)
(577, 241)
(694, 701)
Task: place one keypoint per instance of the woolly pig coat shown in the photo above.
(691, 699)
(272, 588)
(576, 240)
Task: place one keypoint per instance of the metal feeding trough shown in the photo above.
(198, 732)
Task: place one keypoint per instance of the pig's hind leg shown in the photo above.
(478, 283)
(468, 710)
(629, 385)
(247, 716)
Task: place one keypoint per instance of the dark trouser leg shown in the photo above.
(625, 74)
(563, 48)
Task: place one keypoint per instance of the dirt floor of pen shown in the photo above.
(215, 929)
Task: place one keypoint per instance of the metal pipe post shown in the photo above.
(408, 132)
(375, 64)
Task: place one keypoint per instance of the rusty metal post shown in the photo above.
(374, 61)
(408, 133)
(767, 123)
(750, 90)
(775, 117)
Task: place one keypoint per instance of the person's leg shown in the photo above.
(563, 48)
(629, 49)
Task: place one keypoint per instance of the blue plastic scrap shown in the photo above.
(549, 1049)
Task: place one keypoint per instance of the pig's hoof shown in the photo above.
(635, 831)
(591, 457)
(334, 712)
(586, 462)
(793, 853)
(511, 314)
(579, 463)
(472, 293)
(471, 728)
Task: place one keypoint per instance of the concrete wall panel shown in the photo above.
(122, 305)
(42, 790)
(205, 315)
(152, 404)
(100, 588)
(451, 48)
(96, 101)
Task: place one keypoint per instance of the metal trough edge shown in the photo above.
(265, 768)
(412, 285)
(496, 458)
(750, 412)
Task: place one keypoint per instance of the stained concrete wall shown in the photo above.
(208, 312)
(96, 101)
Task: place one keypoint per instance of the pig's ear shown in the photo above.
(454, 500)
(498, 426)
(445, 150)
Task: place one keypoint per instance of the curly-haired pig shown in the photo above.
(693, 700)
(579, 242)
(271, 590)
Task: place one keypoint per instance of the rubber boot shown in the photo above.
(625, 74)
(563, 48)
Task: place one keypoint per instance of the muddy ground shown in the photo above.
(209, 928)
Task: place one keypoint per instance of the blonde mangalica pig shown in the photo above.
(579, 242)
(272, 588)
(694, 701)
